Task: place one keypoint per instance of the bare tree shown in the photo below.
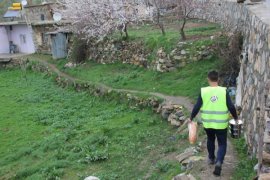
(188, 9)
(158, 6)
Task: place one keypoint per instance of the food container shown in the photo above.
(236, 128)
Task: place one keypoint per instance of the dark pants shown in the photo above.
(221, 135)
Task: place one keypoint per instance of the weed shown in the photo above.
(163, 166)
(244, 169)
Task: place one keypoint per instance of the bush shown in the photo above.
(78, 52)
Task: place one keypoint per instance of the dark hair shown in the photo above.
(213, 76)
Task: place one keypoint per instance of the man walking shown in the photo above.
(215, 105)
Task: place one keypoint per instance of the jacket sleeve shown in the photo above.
(197, 107)
(231, 107)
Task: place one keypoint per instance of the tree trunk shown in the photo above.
(126, 31)
(160, 25)
(182, 32)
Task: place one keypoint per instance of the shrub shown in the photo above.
(78, 51)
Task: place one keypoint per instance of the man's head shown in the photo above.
(213, 78)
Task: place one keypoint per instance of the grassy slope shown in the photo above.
(186, 81)
(154, 40)
(48, 132)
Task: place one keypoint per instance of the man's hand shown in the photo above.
(189, 120)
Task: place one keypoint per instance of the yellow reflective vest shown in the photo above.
(214, 111)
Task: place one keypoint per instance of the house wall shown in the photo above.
(43, 40)
(4, 45)
(21, 36)
(34, 13)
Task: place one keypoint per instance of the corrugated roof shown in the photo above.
(12, 14)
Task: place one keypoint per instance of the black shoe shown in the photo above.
(211, 161)
(217, 171)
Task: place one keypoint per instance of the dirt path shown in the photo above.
(201, 170)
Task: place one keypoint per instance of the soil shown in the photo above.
(200, 170)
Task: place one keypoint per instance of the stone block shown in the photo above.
(266, 157)
(264, 176)
(180, 158)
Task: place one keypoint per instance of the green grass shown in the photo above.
(47, 132)
(186, 81)
(154, 40)
(245, 166)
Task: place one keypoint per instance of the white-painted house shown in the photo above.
(16, 36)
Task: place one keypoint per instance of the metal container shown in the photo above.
(236, 129)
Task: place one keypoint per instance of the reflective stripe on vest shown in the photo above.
(214, 110)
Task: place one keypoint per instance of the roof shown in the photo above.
(66, 31)
(38, 5)
(50, 22)
(12, 23)
(12, 13)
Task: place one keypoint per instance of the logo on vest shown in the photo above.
(214, 99)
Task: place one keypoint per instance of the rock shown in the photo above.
(172, 117)
(193, 159)
(184, 177)
(175, 122)
(266, 157)
(183, 52)
(179, 114)
(173, 52)
(265, 169)
(183, 118)
(256, 167)
(266, 138)
(171, 69)
(169, 64)
(162, 61)
(91, 178)
(161, 53)
(177, 58)
(70, 65)
(159, 68)
(267, 147)
(165, 114)
(185, 155)
(205, 53)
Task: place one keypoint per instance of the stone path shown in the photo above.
(201, 170)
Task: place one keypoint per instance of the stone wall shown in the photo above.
(252, 93)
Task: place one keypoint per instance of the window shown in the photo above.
(23, 38)
(42, 17)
